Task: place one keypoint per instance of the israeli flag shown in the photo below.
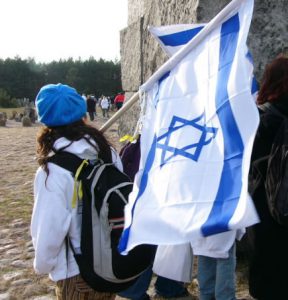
(196, 142)
(173, 37)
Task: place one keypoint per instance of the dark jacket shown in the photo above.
(91, 103)
(269, 240)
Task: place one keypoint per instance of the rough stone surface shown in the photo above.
(12, 275)
(141, 56)
(44, 298)
(269, 32)
(4, 296)
(136, 9)
(130, 40)
(21, 282)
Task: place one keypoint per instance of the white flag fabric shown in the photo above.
(174, 262)
(196, 143)
(173, 37)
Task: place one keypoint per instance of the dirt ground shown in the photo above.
(18, 165)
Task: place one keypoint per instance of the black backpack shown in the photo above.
(105, 190)
(276, 183)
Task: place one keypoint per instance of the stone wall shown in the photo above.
(141, 55)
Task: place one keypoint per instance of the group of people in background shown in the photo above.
(106, 103)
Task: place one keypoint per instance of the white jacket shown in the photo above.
(104, 103)
(53, 217)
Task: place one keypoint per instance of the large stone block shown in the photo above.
(206, 10)
(136, 10)
(131, 56)
(268, 33)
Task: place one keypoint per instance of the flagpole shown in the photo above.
(120, 112)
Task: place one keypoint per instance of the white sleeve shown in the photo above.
(51, 217)
(116, 159)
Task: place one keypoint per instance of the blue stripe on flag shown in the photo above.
(143, 183)
(179, 38)
(230, 183)
(255, 86)
(166, 75)
(249, 57)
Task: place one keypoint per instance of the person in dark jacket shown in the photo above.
(91, 107)
(269, 260)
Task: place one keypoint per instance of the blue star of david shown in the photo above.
(207, 134)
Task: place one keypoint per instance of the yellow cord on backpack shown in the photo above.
(126, 137)
(129, 138)
(77, 191)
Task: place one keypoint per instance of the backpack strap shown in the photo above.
(66, 160)
(75, 165)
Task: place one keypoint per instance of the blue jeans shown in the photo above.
(216, 277)
(138, 290)
(164, 287)
(168, 288)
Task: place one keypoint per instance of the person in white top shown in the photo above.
(63, 111)
(104, 103)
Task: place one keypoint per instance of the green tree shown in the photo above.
(6, 100)
(23, 78)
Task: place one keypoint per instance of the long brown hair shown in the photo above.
(274, 84)
(73, 132)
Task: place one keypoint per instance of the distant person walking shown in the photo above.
(84, 97)
(119, 100)
(104, 103)
(91, 107)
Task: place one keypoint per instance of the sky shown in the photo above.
(48, 30)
